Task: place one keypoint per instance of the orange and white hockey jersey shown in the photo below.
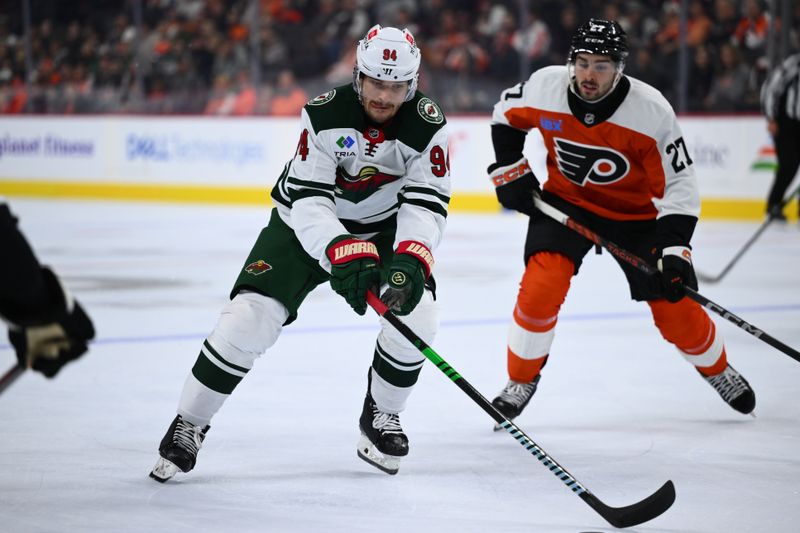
(632, 166)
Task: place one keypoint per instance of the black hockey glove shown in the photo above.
(354, 269)
(410, 267)
(63, 336)
(677, 272)
(514, 185)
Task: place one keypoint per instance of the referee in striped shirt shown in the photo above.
(780, 100)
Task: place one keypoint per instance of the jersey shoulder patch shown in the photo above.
(337, 108)
(429, 111)
(323, 99)
(418, 121)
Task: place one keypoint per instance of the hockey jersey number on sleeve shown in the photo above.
(514, 92)
(302, 145)
(440, 163)
(678, 154)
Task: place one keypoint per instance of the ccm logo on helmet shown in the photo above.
(580, 163)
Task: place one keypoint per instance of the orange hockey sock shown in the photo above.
(542, 291)
(686, 325)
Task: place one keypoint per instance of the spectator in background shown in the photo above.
(244, 103)
(643, 68)
(289, 97)
(183, 46)
(701, 76)
(751, 32)
(504, 62)
(533, 41)
(729, 88)
(220, 101)
(561, 34)
(724, 24)
(698, 26)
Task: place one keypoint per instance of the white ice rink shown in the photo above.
(617, 406)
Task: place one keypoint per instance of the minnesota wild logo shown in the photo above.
(323, 98)
(257, 268)
(360, 186)
(429, 111)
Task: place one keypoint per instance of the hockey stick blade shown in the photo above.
(637, 513)
(645, 510)
(11, 376)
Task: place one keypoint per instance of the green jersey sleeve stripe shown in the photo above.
(311, 184)
(308, 193)
(277, 197)
(430, 206)
(424, 190)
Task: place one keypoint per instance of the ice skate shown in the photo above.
(513, 398)
(734, 389)
(178, 449)
(382, 443)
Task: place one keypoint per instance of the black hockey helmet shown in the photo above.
(600, 36)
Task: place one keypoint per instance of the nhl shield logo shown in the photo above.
(323, 98)
(374, 135)
(429, 111)
(257, 268)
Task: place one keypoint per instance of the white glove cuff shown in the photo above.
(681, 251)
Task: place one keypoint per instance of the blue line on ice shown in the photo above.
(311, 330)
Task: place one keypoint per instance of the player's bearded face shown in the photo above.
(594, 75)
(382, 99)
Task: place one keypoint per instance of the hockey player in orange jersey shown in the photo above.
(616, 162)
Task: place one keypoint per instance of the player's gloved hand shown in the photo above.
(677, 272)
(410, 267)
(514, 185)
(354, 269)
(47, 345)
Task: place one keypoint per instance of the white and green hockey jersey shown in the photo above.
(351, 176)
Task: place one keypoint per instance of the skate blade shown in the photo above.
(369, 453)
(163, 470)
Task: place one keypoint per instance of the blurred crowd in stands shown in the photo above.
(268, 57)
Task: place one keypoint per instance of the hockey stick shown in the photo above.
(631, 515)
(770, 218)
(645, 267)
(11, 376)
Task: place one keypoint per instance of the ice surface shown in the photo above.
(617, 406)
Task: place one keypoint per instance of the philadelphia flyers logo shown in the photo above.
(580, 163)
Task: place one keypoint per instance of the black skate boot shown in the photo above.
(178, 449)
(513, 398)
(734, 389)
(382, 442)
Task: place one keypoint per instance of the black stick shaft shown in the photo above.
(647, 268)
(647, 509)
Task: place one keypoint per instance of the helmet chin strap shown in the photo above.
(572, 85)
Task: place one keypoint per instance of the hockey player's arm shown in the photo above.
(420, 224)
(678, 210)
(311, 181)
(48, 328)
(511, 175)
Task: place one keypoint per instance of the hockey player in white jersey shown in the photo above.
(616, 162)
(362, 204)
